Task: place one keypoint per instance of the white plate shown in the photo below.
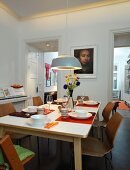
(90, 102)
(77, 116)
(59, 101)
(27, 111)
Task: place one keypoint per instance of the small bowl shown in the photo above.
(81, 112)
(40, 110)
(38, 120)
(64, 112)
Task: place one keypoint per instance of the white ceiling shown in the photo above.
(31, 7)
(26, 8)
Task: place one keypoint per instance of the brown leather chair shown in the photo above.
(85, 98)
(10, 153)
(6, 109)
(106, 116)
(37, 101)
(94, 147)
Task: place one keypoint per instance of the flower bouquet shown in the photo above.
(72, 81)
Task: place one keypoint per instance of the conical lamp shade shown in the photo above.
(66, 63)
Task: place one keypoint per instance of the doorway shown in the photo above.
(39, 54)
(120, 58)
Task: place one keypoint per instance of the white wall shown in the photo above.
(9, 48)
(88, 27)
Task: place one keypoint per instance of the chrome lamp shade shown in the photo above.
(66, 63)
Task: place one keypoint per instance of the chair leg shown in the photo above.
(105, 162)
(102, 133)
(48, 145)
(92, 131)
(38, 149)
(109, 160)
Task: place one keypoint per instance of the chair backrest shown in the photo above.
(6, 109)
(85, 98)
(112, 127)
(107, 111)
(116, 104)
(37, 101)
(10, 153)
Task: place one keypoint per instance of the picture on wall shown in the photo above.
(87, 57)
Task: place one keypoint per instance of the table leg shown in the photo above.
(2, 132)
(77, 154)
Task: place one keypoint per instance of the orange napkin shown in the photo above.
(49, 125)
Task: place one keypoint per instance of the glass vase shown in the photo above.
(70, 100)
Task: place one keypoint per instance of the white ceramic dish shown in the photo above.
(26, 110)
(40, 110)
(78, 116)
(64, 112)
(39, 120)
(59, 100)
(32, 124)
(81, 112)
(90, 102)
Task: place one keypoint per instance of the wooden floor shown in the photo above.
(56, 155)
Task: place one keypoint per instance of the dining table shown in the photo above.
(70, 129)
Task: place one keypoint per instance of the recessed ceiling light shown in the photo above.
(47, 44)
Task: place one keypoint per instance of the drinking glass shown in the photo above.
(49, 100)
(82, 97)
(65, 101)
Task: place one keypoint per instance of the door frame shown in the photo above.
(25, 54)
(111, 56)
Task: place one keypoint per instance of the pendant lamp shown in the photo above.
(66, 62)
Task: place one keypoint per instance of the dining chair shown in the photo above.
(116, 105)
(6, 109)
(13, 156)
(106, 116)
(85, 98)
(96, 148)
(37, 101)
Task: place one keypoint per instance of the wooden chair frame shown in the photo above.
(94, 147)
(11, 155)
(37, 101)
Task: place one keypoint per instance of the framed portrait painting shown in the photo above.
(87, 57)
